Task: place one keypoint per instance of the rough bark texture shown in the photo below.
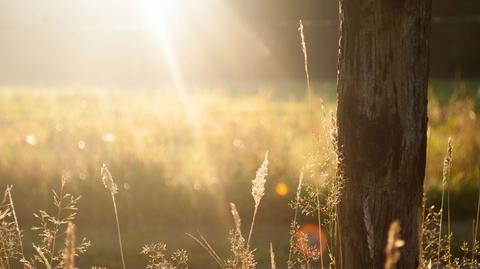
(382, 120)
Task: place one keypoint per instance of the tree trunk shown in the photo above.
(382, 121)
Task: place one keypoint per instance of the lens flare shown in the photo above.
(310, 241)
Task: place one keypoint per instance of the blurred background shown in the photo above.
(181, 99)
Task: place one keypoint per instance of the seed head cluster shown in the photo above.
(107, 180)
(236, 218)
(258, 184)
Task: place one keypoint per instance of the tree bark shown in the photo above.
(382, 123)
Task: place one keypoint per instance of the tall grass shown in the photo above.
(436, 246)
(447, 163)
(258, 191)
(242, 256)
(110, 185)
(305, 59)
(272, 257)
(294, 225)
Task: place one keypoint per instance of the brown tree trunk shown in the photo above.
(382, 121)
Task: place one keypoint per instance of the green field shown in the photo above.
(180, 159)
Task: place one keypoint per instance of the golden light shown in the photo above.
(281, 189)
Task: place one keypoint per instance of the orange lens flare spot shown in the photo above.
(281, 189)
(310, 240)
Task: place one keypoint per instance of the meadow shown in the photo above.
(179, 159)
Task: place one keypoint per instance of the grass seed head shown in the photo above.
(236, 218)
(258, 184)
(107, 180)
(447, 162)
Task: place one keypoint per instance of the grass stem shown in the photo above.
(251, 227)
(118, 230)
(320, 236)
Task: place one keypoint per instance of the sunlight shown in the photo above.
(158, 14)
(120, 43)
(164, 18)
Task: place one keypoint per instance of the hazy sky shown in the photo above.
(119, 42)
(135, 43)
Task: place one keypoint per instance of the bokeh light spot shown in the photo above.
(109, 138)
(281, 189)
(31, 140)
(81, 144)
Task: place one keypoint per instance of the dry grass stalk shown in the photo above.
(258, 191)
(110, 185)
(69, 251)
(474, 240)
(447, 164)
(272, 257)
(293, 226)
(17, 227)
(394, 243)
(242, 256)
(337, 187)
(59, 213)
(42, 257)
(305, 58)
(475, 228)
(424, 195)
(5, 241)
(205, 245)
(319, 218)
(236, 218)
(11, 247)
